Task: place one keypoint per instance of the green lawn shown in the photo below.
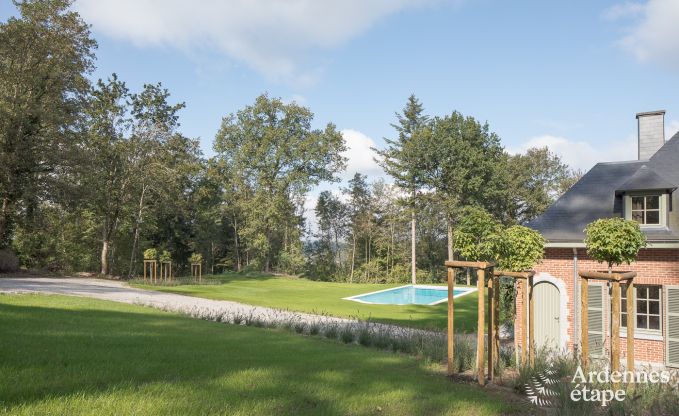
(326, 297)
(76, 356)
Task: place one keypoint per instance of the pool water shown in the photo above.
(410, 295)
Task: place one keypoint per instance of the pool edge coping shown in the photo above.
(467, 291)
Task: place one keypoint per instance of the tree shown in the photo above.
(358, 193)
(521, 248)
(331, 214)
(614, 241)
(536, 179)
(45, 57)
(275, 158)
(478, 236)
(465, 156)
(404, 159)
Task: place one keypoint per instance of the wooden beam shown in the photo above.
(605, 276)
(524, 322)
(615, 327)
(531, 324)
(584, 325)
(451, 321)
(473, 264)
(518, 275)
(491, 326)
(631, 319)
(480, 284)
(496, 321)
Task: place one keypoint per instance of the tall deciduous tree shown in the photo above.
(276, 157)
(405, 160)
(45, 56)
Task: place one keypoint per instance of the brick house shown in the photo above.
(642, 190)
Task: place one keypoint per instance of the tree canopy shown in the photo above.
(614, 241)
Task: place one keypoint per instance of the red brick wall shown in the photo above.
(653, 266)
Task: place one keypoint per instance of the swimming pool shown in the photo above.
(410, 295)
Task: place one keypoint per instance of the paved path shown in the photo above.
(216, 310)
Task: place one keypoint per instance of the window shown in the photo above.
(646, 209)
(648, 308)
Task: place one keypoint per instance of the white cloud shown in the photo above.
(270, 36)
(580, 154)
(360, 155)
(654, 34)
(623, 10)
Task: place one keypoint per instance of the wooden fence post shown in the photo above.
(531, 324)
(451, 321)
(631, 319)
(480, 285)
(491, 325)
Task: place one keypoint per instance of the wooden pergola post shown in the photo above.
(481, 268)
(531, 323)
(197, 271)
(631, 319)
(151, 267)
(524, 323)
(615, 279)
(491, 327)
(496, 320)
(451, 320)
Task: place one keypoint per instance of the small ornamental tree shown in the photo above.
(521, 249)
(165, 256)
(477, 235)
(150, 254)
(614, 241)
(196, 258)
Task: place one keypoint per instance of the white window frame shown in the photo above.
(663, 205)
(642, 333)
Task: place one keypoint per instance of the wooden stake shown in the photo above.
(496, 321)
(631, 319)
(451, 321)
(524, 322)
(584, 325)
(615, 328)
(480, 285)
(531, 323)
(491, 326)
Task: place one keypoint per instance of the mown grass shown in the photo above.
(304, 295)
(66, 355)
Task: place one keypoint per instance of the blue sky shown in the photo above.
(570, 75)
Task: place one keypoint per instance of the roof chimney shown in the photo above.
(651, 133)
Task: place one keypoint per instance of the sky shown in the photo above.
(568, 75)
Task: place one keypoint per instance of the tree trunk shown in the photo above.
(235, 237)
(106, 244)
(135, 241)
(353, 259)
(450, 240)
(4, 221)
(413, 270)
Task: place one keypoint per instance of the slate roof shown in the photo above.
(594, 195)
(646, 178)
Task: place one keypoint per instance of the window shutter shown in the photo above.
(672, 325)
(595, 319)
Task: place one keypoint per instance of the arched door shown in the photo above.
(547, 315)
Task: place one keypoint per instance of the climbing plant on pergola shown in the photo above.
(485, 243)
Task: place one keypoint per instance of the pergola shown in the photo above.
(526, 284)
(615, 278)
(151, 265)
